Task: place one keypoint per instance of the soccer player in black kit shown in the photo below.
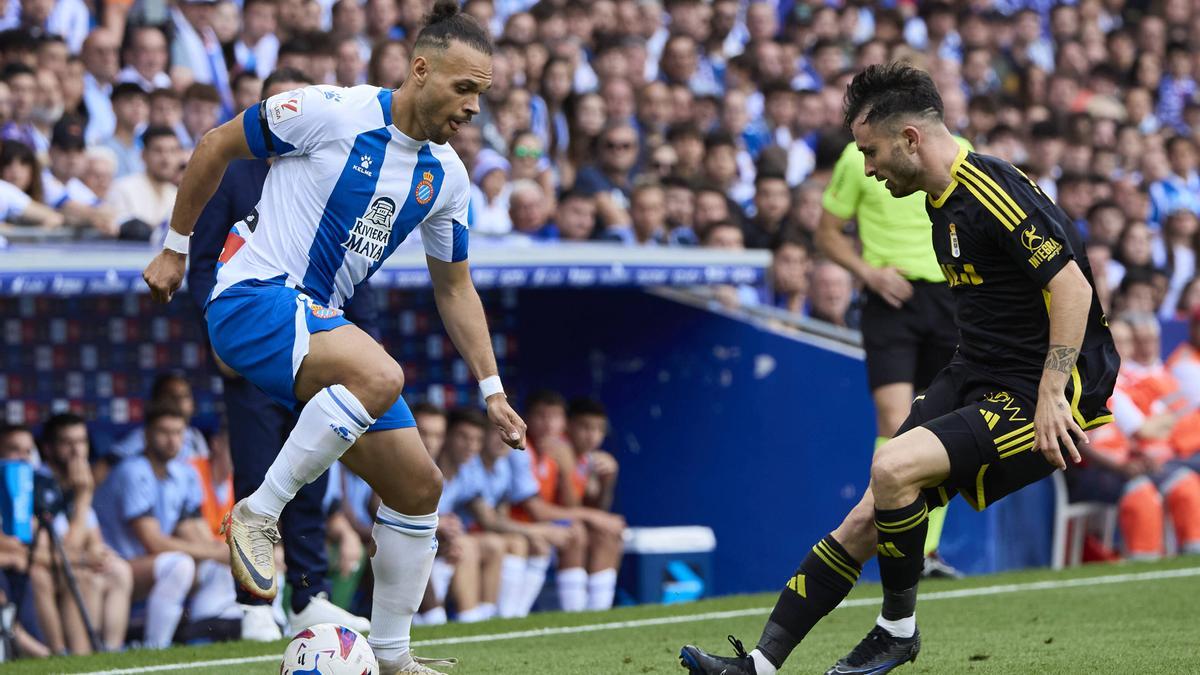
(1034, 369)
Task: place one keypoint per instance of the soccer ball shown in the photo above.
(328, 649)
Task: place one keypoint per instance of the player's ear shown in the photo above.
(419, 70)
(911, 136)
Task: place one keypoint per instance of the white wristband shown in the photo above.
(176, 242)
(490, 385)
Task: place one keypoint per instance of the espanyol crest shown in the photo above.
(424, 191)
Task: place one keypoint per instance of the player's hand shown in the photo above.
(889, 284)
(510, 424)
(1055, 428)
(164, 274)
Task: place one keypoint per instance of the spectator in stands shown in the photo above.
(64, 191)
(490, 192)
(146, 58)
(592, 484)
(100, 168)
(388, 65)
(648, 216)
(257, 47)
(527, 208)
(105, 580)
(1180, 188)
(465, 439)
(1174, 251)
(201, 111)
(477, 572)
(787, 285)
(574, 218)
(21, 188)
(247, 90)
(149, 511)
(23, 90)
(1184, 362)
(22, 585)
(149, 196)
(101, 63)
(832, 295)
(772, 202)
(130, 109)
(721, 168)
(173, 391)
(166, 110)
(509, 482)
(196, 47)
(1131, 462)
(610, 179)
(594, 535)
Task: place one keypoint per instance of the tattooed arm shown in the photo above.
(1070, 302)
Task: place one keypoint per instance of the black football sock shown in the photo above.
(823, 579)
(901, 555)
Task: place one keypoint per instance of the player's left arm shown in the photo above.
(1033, 232)
(461, 310)
(1070, 303)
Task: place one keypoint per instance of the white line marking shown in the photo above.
(708, 616)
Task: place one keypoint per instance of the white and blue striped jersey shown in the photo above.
(347, 188)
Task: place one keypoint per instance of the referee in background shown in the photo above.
(908, 316)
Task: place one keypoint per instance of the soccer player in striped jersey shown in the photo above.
(359, 169)
(1035, 368)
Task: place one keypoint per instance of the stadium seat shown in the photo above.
(1072, 520)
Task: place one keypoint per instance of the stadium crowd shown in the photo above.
(710, 123)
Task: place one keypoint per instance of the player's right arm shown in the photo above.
(838, 205)
(203, 174)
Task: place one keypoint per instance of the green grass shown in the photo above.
(1148, 626)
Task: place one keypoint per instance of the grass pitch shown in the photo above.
(1125, 618)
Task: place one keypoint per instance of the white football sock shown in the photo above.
(761, 665)
(512, 586)
(174, 573)
(214, 595)
(901, 628)
(602, 586)
(440, 578)
(405, 546)
(535, 578)
(572, 589)
(328, 425)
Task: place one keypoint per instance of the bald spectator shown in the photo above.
(527, 208)
(101, 62)
(832, 295)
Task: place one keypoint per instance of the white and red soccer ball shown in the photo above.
(328, 649)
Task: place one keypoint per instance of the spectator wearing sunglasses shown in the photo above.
(610, 178)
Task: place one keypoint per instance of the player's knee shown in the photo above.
(379, 387)
(538, 547)
(891, 470)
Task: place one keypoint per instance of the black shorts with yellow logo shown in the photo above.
(985, 421)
